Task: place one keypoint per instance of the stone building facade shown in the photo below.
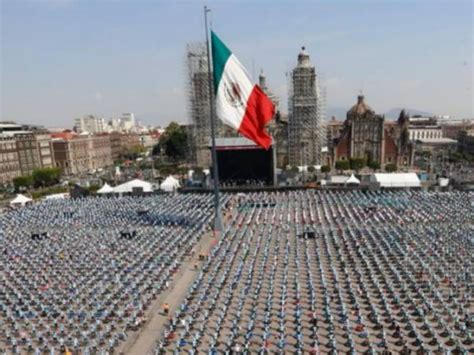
(120, 143)
(278, 126)
(367, 135)
(454, 130)
(44, 145)
(9, 162)
(78, 154)
(100, 153)
(28, 154)
(278, 129)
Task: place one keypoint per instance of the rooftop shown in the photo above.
(360, 107)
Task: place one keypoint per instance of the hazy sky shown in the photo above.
(65, 58)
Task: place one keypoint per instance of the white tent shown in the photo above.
(106, 189)
(20, 201)
(353, 180)
(396, 180)
(134, 184)
(443, 182)
(338, 179)
(170, 184)
(58, 196)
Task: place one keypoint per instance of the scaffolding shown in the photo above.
(306, 130)
(321, 130)
(199, 106)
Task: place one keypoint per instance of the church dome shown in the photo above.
(360, 107)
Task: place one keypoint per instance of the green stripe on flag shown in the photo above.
(220, 54)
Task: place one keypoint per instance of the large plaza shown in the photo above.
(303, 271)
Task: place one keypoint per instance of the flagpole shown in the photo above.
(218, 225)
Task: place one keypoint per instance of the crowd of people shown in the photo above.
(79, 275)
(380, 271)
(383, 272)
(244, 182)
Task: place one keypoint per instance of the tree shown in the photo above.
(311, 169)
(174, 141)
(325, 169)
(295, 169)
(374, 165)
(135, 151)
(390, 168)
(23, 182)
(156, 150)
(46, 176)
(357, 163)
(342, 165)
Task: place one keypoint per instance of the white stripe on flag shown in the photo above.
(233, 92)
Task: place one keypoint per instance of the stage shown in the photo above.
(241, 162)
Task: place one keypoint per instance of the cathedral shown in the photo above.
(367, 135)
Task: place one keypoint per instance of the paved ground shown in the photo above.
(143, 341)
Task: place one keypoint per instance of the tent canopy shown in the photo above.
(20, 200)
(133, 184)
(353, 180)
(106, 189)
(170, 184)
(443, 182)
(338, 179)
(58, 196)
(397, 180)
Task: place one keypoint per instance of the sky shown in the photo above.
(61, 59)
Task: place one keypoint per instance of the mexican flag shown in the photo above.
(239, 103)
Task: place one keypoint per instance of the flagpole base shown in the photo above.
(218, 223)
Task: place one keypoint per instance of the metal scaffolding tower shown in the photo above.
(322, 122)
(306, 137)
(198, 105)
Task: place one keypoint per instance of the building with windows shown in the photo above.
(424, 129)
(100, 153)
(44, 145)
(90, 124)
(28, 153)
(30, 146)
(78, 154)
(9, 161)
(121, 143)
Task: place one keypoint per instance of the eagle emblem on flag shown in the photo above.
(233, 94)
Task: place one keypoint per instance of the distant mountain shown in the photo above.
(395, 112)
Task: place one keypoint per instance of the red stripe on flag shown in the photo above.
(259, 112)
